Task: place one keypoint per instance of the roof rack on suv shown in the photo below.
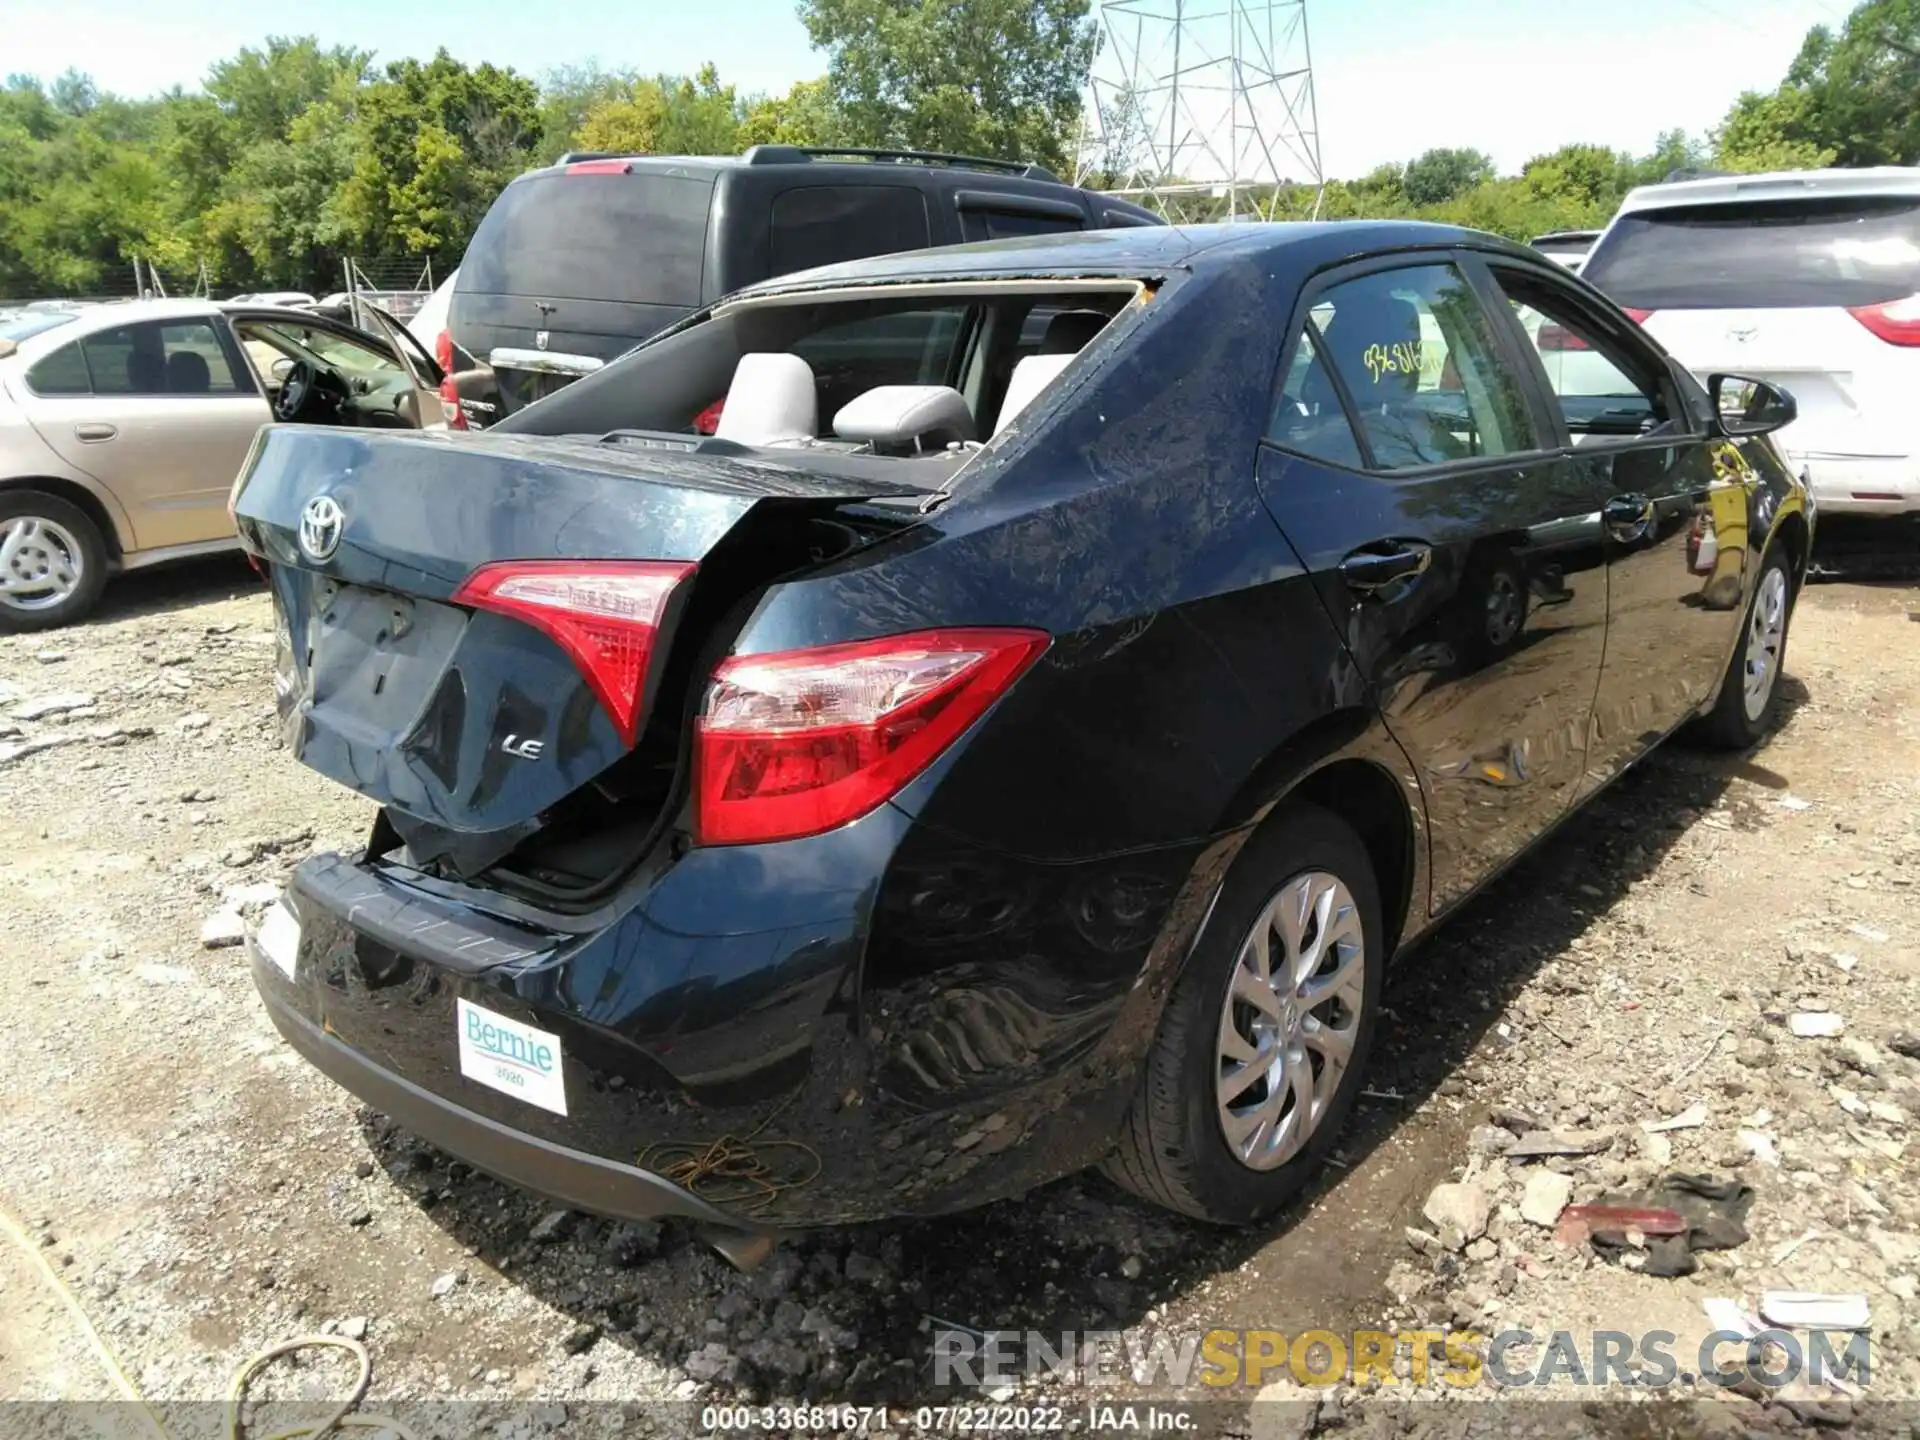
(800, 154)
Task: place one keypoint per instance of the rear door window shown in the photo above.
(178, 358)
(1416, 355)
(1308, 416)
(637, 239)
(64, 372)
(823, 224)
(1763, 254)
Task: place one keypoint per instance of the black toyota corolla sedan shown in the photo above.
(922, 727)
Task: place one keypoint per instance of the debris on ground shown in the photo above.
(1811, 1310)
(1644, 961)
(1815, 1025)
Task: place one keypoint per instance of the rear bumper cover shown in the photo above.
(890, 1027)
(1862, 484)
(570, 1177)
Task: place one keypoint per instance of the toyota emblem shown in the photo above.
(320, 526)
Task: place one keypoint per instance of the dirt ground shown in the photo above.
(204, 1193)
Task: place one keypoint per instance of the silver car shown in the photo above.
(122, 427)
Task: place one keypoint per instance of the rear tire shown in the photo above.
(1194, 1140)
(53, 560)
(1750, 690)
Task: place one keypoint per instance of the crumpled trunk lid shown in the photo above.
(470, 726)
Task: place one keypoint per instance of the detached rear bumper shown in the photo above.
(567, 1176)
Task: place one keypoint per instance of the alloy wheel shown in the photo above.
(1766, 630)
(1290, 1019)
(1505, 609)
(41, 563)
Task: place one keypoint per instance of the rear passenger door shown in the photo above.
(161, 413)
(1673, 511)
(1411, 463)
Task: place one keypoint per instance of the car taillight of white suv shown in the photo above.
(1810, 280)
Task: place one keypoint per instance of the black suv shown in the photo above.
(579, 261)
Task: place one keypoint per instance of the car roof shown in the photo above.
(89, 318)
(1133, 251)
(1775, 185)
(840, 166)
(126, 312)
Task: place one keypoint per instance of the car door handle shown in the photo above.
(93, 432)
(1627, 516)
(1369, 570)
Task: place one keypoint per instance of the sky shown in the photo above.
(1392, 78)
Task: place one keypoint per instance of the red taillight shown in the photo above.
(708, 420)
(803, 741)
(1897, 322)
(603, 613)
(600, 167)
(1638, 317)
(456, 417)
(1558, 337)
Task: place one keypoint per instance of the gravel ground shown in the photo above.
(204, 1193)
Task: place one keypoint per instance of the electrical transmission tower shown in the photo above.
(1203, 109)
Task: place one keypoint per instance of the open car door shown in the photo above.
(410, 353)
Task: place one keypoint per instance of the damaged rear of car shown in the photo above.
(649, 774)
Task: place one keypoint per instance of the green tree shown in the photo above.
(1439, 175)
(1589, 176)
(567, 95)
(1771, 132)
(1674, 150)
(266, 90)
(987, 77)
(666, 115)
(631, 123)
(805, 115)
(435, 143)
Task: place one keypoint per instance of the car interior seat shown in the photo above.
(916, 418)
(1030, 377)
(773, 400)
(187, 373)
(1071, 331)
(146, 373)
(1374, 343)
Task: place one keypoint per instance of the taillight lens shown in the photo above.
(450, 405)
(600, 167)
(604, 613)
(1897, 322)
(802, 741)
(456, 418)
(1638, 317)
(1558, 337)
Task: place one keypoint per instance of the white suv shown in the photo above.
(1809, 279)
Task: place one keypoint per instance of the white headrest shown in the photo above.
(1029, 378)
(772, 401)
(900, 414)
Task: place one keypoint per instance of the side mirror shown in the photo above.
(1745, 406)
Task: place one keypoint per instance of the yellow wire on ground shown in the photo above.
(344, 1415)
